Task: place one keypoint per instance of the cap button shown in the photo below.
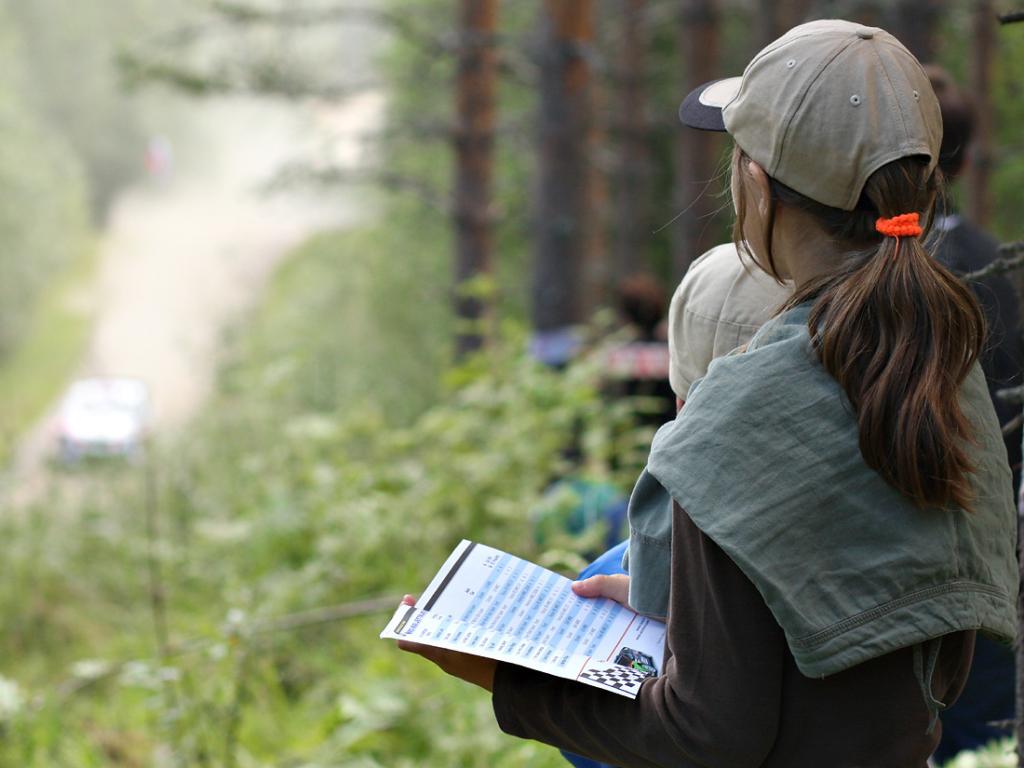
(865, 34)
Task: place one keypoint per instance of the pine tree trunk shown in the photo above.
(476, 86)
(983, 46)
(563, 288)
(915, 24)
(776, 17)
(698, 151)
(633, 190)
(766, 22)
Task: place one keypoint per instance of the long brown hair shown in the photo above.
(898, 332)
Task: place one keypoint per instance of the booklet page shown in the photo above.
(489, 603)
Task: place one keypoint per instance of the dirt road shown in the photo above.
(181, 259)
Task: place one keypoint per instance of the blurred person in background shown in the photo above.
(638, 367)
(159, 159)
(986, 706)
(635, 368)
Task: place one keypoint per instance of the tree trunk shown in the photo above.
(765, 22)
(565, 280)
(776, 17)
(915, 24)
(633, 191)
(476, 86)
(633, 188)
(983, 46)
(697, 151)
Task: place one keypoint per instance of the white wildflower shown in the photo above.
(90, 669)
(138, 674)
(169, 674)
(217, 651)
(224, 531)
(11, 700)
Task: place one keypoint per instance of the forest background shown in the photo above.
(218, 603)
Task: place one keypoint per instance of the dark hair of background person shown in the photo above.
(899, 335)
(964, 248)
(957, 121)
(641, 301)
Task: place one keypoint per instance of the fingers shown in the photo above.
(411, 647)
(428, 652)
(440, 656)
(409, 600)
(588, 587)
(615, 587)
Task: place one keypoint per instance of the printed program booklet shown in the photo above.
(489, 603)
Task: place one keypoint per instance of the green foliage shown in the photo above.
(277, 48)
(381, 332)
(43, 218)
(73, 84)
(46, 355)
(340, 459)
(1007, 184)
(69, 136)
(331, 466)
(1007, 169)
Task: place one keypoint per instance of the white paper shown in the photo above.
(489, 603)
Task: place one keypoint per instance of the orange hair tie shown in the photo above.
(904, 225)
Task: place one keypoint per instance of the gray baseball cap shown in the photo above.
(824, 107)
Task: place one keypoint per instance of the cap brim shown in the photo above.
(703, 107)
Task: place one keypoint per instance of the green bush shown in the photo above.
(295, 489)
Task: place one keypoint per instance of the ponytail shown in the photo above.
(899, 333)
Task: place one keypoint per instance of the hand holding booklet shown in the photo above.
(489, 603)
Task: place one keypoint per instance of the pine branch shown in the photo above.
(266, 79)
(303, 174)
(1011, 394)
(243, 14)
(513, 132)
(1013, 424)
(1011, 258)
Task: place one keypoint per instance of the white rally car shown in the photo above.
(103, 417)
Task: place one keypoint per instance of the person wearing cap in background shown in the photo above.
(718, 306)
(988, 698)
(635, 368)
(638, 366)
(843, 516)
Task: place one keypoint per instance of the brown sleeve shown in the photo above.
(717, 701)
